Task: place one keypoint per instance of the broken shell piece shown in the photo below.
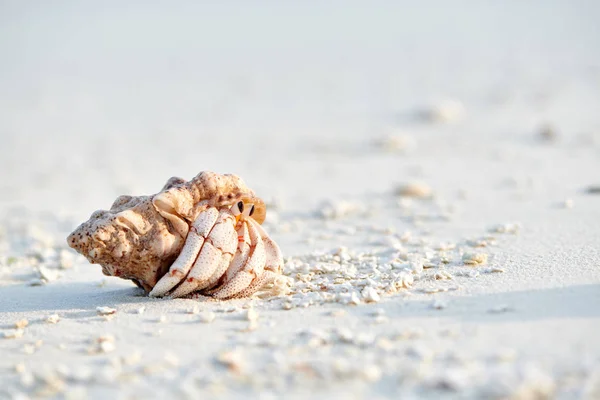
(474, 258)
(102, 344)
(443, 275)
(53, 319)
(414, 189)
(370, 295)
(105, 310)
(233, 360)
(21, 324)
(12, 334)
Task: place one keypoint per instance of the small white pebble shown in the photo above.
(568, 203)
(53, 319)
(206, 317)
(105, 310)
(140, 310)
(193, 310)
(103, 344)
(162, 319)
(370, 295)
(439, 304)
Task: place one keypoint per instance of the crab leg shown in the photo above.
(266, 278)
(217, 250)
(253, 268)
(274, 258)
(273, 265)
(239, 259)
(193, 243)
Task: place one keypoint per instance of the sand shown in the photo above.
(427, 168)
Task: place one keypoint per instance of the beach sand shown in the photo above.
(396, 146)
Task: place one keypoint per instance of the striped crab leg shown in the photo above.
(193, 244)
(263, 266)
(216, 253)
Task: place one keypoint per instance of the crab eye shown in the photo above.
(238, 208)
(249, 211)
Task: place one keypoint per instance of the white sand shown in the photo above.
(103, 100)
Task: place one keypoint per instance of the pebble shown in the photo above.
(103, 344)
(53, 319)
(568, 204)
(474, 258)
(206, 317)
(443, 275)
(439, 304)
(233, 360)
(21, 324)
(102, 310)
(414, 189)
(370, 295)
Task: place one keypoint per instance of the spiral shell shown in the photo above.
(140, 236)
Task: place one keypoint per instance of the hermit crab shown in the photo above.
(198, 236)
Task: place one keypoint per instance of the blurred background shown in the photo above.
(302, 100)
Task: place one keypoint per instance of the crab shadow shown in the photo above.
(66, 296)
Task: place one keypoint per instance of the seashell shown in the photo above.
(140, 237)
